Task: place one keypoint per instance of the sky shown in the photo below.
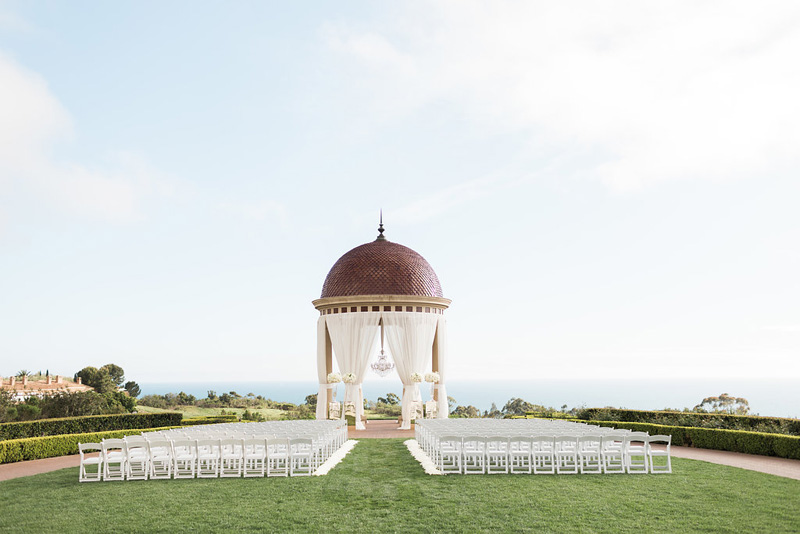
(605, 190)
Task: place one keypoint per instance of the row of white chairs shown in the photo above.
(431, 410)
(229, 450)
(540, 447)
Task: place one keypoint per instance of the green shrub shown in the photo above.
(761, 443)
(86, 424)
(18, 450)
(752, 423)
(548, 415)
(210, 419)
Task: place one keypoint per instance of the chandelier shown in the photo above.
(382, 366)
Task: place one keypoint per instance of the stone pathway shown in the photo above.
(782, 467)
(380, 428)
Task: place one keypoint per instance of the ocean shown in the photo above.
(776, 397)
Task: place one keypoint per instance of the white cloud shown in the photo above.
(782, 328)
(682, 90)
(442, 201)
(32, 121)
(30, 117)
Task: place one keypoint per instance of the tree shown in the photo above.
(23, 373)
(185, 399)
(72, 404)
(115, 372)
(724, 404)
(493, 412)
(99, 379)
(6, 403)
(212, 395)
(391, 399)
(133, 389)
(516, 406)
(466, 411)
(311, 400)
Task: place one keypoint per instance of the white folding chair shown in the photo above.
(566, 453)
(431, 409)
(208, 451)
(184, 457)
(230, 458)
(301, 457)
(160, 458)
(496, 454)
(635, 450)
(113, 459)
(254, 457)
(612, 453)
(519, 455)
(662, 450)
(416, 410)
(543, 455)
(589, 454)
(91, 454)
(277, 457)
(473, 455)
(137, 459)
(449, 454)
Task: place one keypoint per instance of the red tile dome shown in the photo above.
(381, 268)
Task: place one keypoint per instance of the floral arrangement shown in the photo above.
(432, 377)
(349, 378)
(416, 377)
(334, 378)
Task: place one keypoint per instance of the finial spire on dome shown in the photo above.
(380, 229)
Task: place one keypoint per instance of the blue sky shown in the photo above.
(608, 190)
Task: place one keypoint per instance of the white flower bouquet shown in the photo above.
(334, 378)
(432, 377)
(416, 377)
(349, 378)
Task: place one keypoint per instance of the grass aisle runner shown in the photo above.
(379, 486)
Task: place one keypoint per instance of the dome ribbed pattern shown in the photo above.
(381, 268)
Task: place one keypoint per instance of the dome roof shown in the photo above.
(381, 268)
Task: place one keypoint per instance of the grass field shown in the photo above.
(380, 487)
(270, 414)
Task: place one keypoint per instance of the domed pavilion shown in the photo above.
(388, 289)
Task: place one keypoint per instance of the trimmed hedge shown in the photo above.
(543, 415)
(761, 443)
(18, 450)
(751, 423)
(210, 419)
(87, 424)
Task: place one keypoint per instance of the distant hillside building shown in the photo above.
(24, 388)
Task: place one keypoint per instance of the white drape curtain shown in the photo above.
(410, 338)
(322, 370)
(354, 336)
(442, 406)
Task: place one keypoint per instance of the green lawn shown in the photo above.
(270, 414)
(380, 487)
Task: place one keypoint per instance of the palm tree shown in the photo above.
(23, 372)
